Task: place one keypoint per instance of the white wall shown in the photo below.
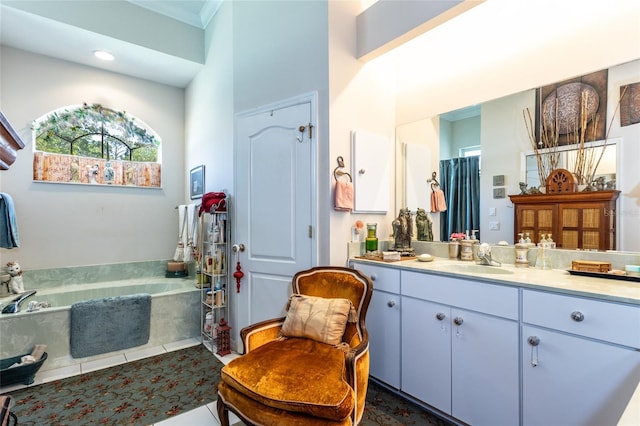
(209, 108)
(425, 132)
(279, 52)
(360, 99)
(69, 225)
(628, 177)
(503, 138)
(466, 133)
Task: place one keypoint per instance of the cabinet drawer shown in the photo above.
(384, 279)
(608, 321)
(473, 295)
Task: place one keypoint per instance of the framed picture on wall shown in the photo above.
(196, 182)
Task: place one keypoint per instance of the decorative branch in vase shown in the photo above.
(590, 157)
(587, 158)
(546, 149)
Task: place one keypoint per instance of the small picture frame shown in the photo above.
(498, 180)
(196, 182)
(498, 193)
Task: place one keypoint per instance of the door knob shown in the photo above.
(238, 247)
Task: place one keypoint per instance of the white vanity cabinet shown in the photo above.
(383, 323)
(460, 347)
(580, 359)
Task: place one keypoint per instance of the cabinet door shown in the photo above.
(535, 220)
(383, 324)
(426, 352)
(485, 373)
(584, 226)
(568, 380)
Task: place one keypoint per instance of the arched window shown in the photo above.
(97, 145)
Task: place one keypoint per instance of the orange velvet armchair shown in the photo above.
(310, 367)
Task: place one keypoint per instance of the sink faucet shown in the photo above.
(484, 256)
(14, 306)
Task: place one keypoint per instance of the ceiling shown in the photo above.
(193, 12)
(496, 38)
(41, 30)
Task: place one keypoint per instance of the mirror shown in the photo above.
(506, 151)
(605, 155)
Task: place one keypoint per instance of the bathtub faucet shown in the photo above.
(14, 306)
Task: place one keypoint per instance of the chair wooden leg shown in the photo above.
(223, 412)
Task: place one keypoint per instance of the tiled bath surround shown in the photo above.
(174, 314)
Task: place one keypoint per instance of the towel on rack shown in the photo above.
(438, 203)
(8, 226)
(178, 256)
(189, 238)
(343, 196)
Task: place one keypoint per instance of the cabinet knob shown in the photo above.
(533, 340)
(391, 303)
(458, 320)
(373, 277)
(440, 316)
(577, 316)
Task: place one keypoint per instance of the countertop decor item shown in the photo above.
(371, 242)
(425, 257)
(621, 277)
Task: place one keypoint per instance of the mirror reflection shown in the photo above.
(495, 130)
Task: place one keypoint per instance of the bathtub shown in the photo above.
(175, 312)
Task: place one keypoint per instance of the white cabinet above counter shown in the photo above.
(465, 348)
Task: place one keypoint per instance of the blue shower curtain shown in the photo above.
(460, 181)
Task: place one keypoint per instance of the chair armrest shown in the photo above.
(258, 334)
(357, 366)
(354, 355)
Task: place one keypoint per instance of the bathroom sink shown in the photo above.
(477, 269)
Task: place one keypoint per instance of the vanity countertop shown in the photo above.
(558, 280)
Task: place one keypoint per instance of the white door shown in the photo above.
(274, 208)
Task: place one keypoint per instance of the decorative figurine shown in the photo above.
(16, 286)
(109, 173)
(523, 188)
(402, 231)
(599, 183)
(424, 226)
(93, 173)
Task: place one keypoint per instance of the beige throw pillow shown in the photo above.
(323, 320)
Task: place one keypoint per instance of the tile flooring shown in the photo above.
(200, 416)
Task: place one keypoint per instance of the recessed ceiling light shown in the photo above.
(105, 56)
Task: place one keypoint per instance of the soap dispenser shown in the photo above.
(522, 251)
(542, 262)
(467, 246)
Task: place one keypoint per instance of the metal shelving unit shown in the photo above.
(214, 272)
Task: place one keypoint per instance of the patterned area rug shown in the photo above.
(152, 389)
(136, 393)
(385, 408)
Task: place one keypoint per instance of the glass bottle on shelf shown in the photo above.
(371, 242)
